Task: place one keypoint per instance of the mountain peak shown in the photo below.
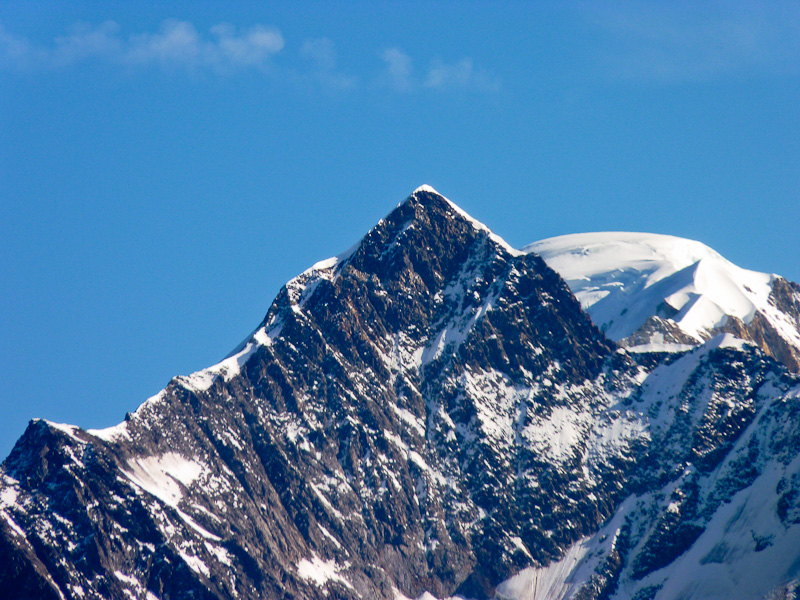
(425, 188)
(453, 210)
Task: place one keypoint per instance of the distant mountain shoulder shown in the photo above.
(650, 291)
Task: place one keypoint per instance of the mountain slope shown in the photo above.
(369, 422)
(713, 511)
(646, 288)
(430, 412)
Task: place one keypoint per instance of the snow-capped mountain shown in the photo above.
(429, 414)
(665, 292)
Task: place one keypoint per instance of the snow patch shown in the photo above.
(136, 585)
(659, 347)
(68, 429)
(727, 340)
(8, 497)
(195, 564)
(127, 579)
(13, 524)
(193, 524)
(425, 188)
(112, 434)
(221, 554)
(160, 475)
(560, 434)
(321, 572)
(408, 417)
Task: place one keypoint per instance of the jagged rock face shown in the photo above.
(710, 506)
(380, 428)
(709, 517)
(431, 412)
(785, 298)
(663, 329)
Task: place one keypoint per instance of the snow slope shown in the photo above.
(623, 279)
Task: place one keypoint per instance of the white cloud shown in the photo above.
(177, 44)
(399, 70)
(321, 54)
(84, 43)
(223, 48)
(460, 75)
(400, 75)
(254, 46)
(16, 51)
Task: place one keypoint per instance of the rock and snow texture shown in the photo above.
(427, 415)
(657, 290)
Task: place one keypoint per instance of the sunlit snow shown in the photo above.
(623, 278)
(159, 475)
(321, 571)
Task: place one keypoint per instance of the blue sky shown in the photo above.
(164, 169)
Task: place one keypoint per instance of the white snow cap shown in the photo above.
(622, 278)
(426, 188)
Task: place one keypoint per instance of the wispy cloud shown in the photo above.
(679, 41)
(16, 51)
(460, 75)
(177, 44)
(221, 49)
(399, 74)
(320, 53)
(82, 43)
